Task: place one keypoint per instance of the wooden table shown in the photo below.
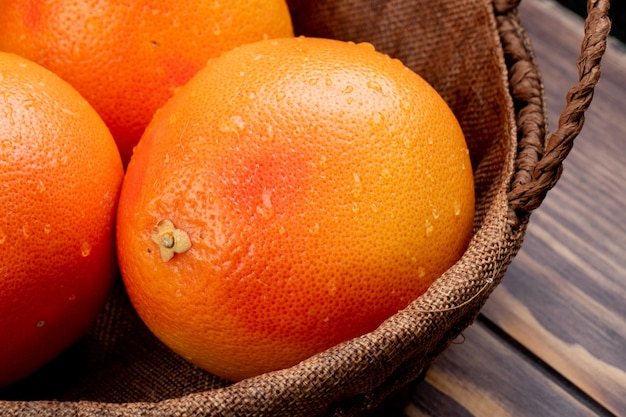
(551, 340)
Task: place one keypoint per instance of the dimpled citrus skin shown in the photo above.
(126, 57)
(323, 186)
(60, 176)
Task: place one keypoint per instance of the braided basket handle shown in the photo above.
(524, 198)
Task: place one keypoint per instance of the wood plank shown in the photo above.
(487, 376)
(564, 296)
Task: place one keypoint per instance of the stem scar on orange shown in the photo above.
(322, 186)
(60, 174)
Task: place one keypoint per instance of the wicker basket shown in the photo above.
(477, 55)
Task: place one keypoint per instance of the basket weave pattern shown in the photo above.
(477, 56)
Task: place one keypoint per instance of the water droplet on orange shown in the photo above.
(457, 208)
(356, 189)
(429, 228)
(85, 249)
(373, 85)
(315, 229)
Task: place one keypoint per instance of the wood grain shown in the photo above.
(486, 376)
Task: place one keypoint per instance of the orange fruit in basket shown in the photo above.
(291, 196)
(60, 174)
(127, 57)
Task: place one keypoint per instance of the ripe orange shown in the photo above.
(127, 57)
(60, 176)
(293, 195)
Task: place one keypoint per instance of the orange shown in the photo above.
(291, 196)
(127, 57)
(60, 175)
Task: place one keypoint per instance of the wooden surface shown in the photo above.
(551, 340)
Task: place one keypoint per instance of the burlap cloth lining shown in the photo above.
(476, 54)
